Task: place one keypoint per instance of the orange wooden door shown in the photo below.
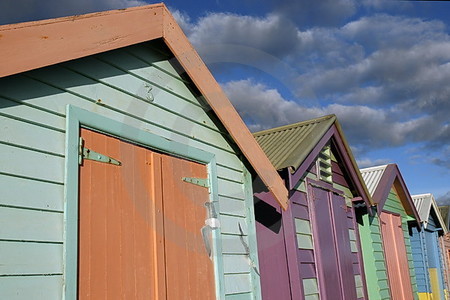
(139, 225)
(189, 271)
(396, 259)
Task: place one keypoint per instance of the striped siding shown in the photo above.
(394, 205)
(136, 86)
(374, 261)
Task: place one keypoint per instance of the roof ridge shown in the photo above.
(374, 168)
(293, 125)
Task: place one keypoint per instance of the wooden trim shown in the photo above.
(309, 159)
(211, 90)
(77, 117)
(393, 178)
(32, 45)
(290, 241)
(335, 135)
(57, 40)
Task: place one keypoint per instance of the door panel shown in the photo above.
(189, 271)
(332, 244)
(342, 242)
(139, 225)
(396, 259)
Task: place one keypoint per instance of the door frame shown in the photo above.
(77, 118)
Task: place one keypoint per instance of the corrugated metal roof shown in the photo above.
(424, 203)
(372, 177)
(289, 145)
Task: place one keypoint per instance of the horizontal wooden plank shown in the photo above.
(232, 244)
(302, 226)
(32, 136)
(300, 211)
(235, 264)
(240, 296)
(28, 163)
(26, 112)
(304, 241)
(32, 225)
(230, 224)
(231, 189)
(310, 286)
(154, 57)
(232, 206)
(30, 258)
(306, 256)
(31, 287)
(29, 193)
(223, 171)
(307, 270)
(237, 283)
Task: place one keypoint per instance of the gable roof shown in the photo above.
(424, 204)
(58, 40)
(381, 179)
(287, 146)
(295, 146)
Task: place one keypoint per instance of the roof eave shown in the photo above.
(32, 45)
(392, 175)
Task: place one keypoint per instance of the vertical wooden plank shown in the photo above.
(119, 245)
(273, 265)
(324, 243)
(396, 260)
(189, 271)
(342, 241)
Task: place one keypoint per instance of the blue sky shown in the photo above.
(382, 66)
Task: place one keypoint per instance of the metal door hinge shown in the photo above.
(197, 181)
(85, 153)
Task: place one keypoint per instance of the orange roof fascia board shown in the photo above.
(32, 45)
(216, 98)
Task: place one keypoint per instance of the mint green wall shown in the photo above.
(373, 253)
(137, 86)
(373, 256)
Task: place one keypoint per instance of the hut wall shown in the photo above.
(373, 257)
(301, 214)
(139, 86)
(393, 204)
(419, 251)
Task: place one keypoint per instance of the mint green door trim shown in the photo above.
(77, 118)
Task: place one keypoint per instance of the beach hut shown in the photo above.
(385, 236)
(426, 248)
(445, 246)
(125, 171)
(311, 250)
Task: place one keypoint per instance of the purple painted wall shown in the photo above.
(278, 249)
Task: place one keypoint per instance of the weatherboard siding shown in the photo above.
(300, 209)
(373, 258)
(393, 204)
(138, 86)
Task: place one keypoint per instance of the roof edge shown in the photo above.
(390, 176)
(58, 40)
(194, 66)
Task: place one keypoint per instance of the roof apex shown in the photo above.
(58, 40)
